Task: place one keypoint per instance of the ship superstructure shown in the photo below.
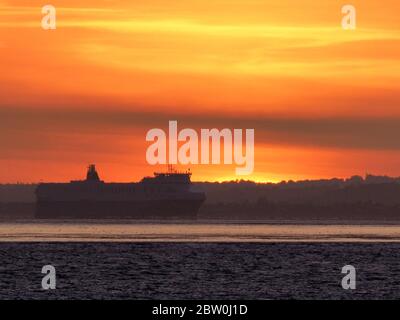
(167, 195)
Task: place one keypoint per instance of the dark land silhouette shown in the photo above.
(375, 198)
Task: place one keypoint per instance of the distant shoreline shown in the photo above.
(203, 222)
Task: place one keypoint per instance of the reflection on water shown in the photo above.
(194, 232)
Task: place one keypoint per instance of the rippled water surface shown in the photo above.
(114, 260)
(91, 270)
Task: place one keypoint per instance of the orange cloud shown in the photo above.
(252, 59)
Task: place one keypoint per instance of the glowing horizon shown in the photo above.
(324, 102)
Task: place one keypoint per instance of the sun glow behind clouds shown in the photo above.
(238, 57)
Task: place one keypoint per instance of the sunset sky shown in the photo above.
(323, 101)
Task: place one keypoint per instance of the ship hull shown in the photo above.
(160, 209)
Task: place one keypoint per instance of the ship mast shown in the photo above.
(92, 174)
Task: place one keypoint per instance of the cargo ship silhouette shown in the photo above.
(167, 195)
